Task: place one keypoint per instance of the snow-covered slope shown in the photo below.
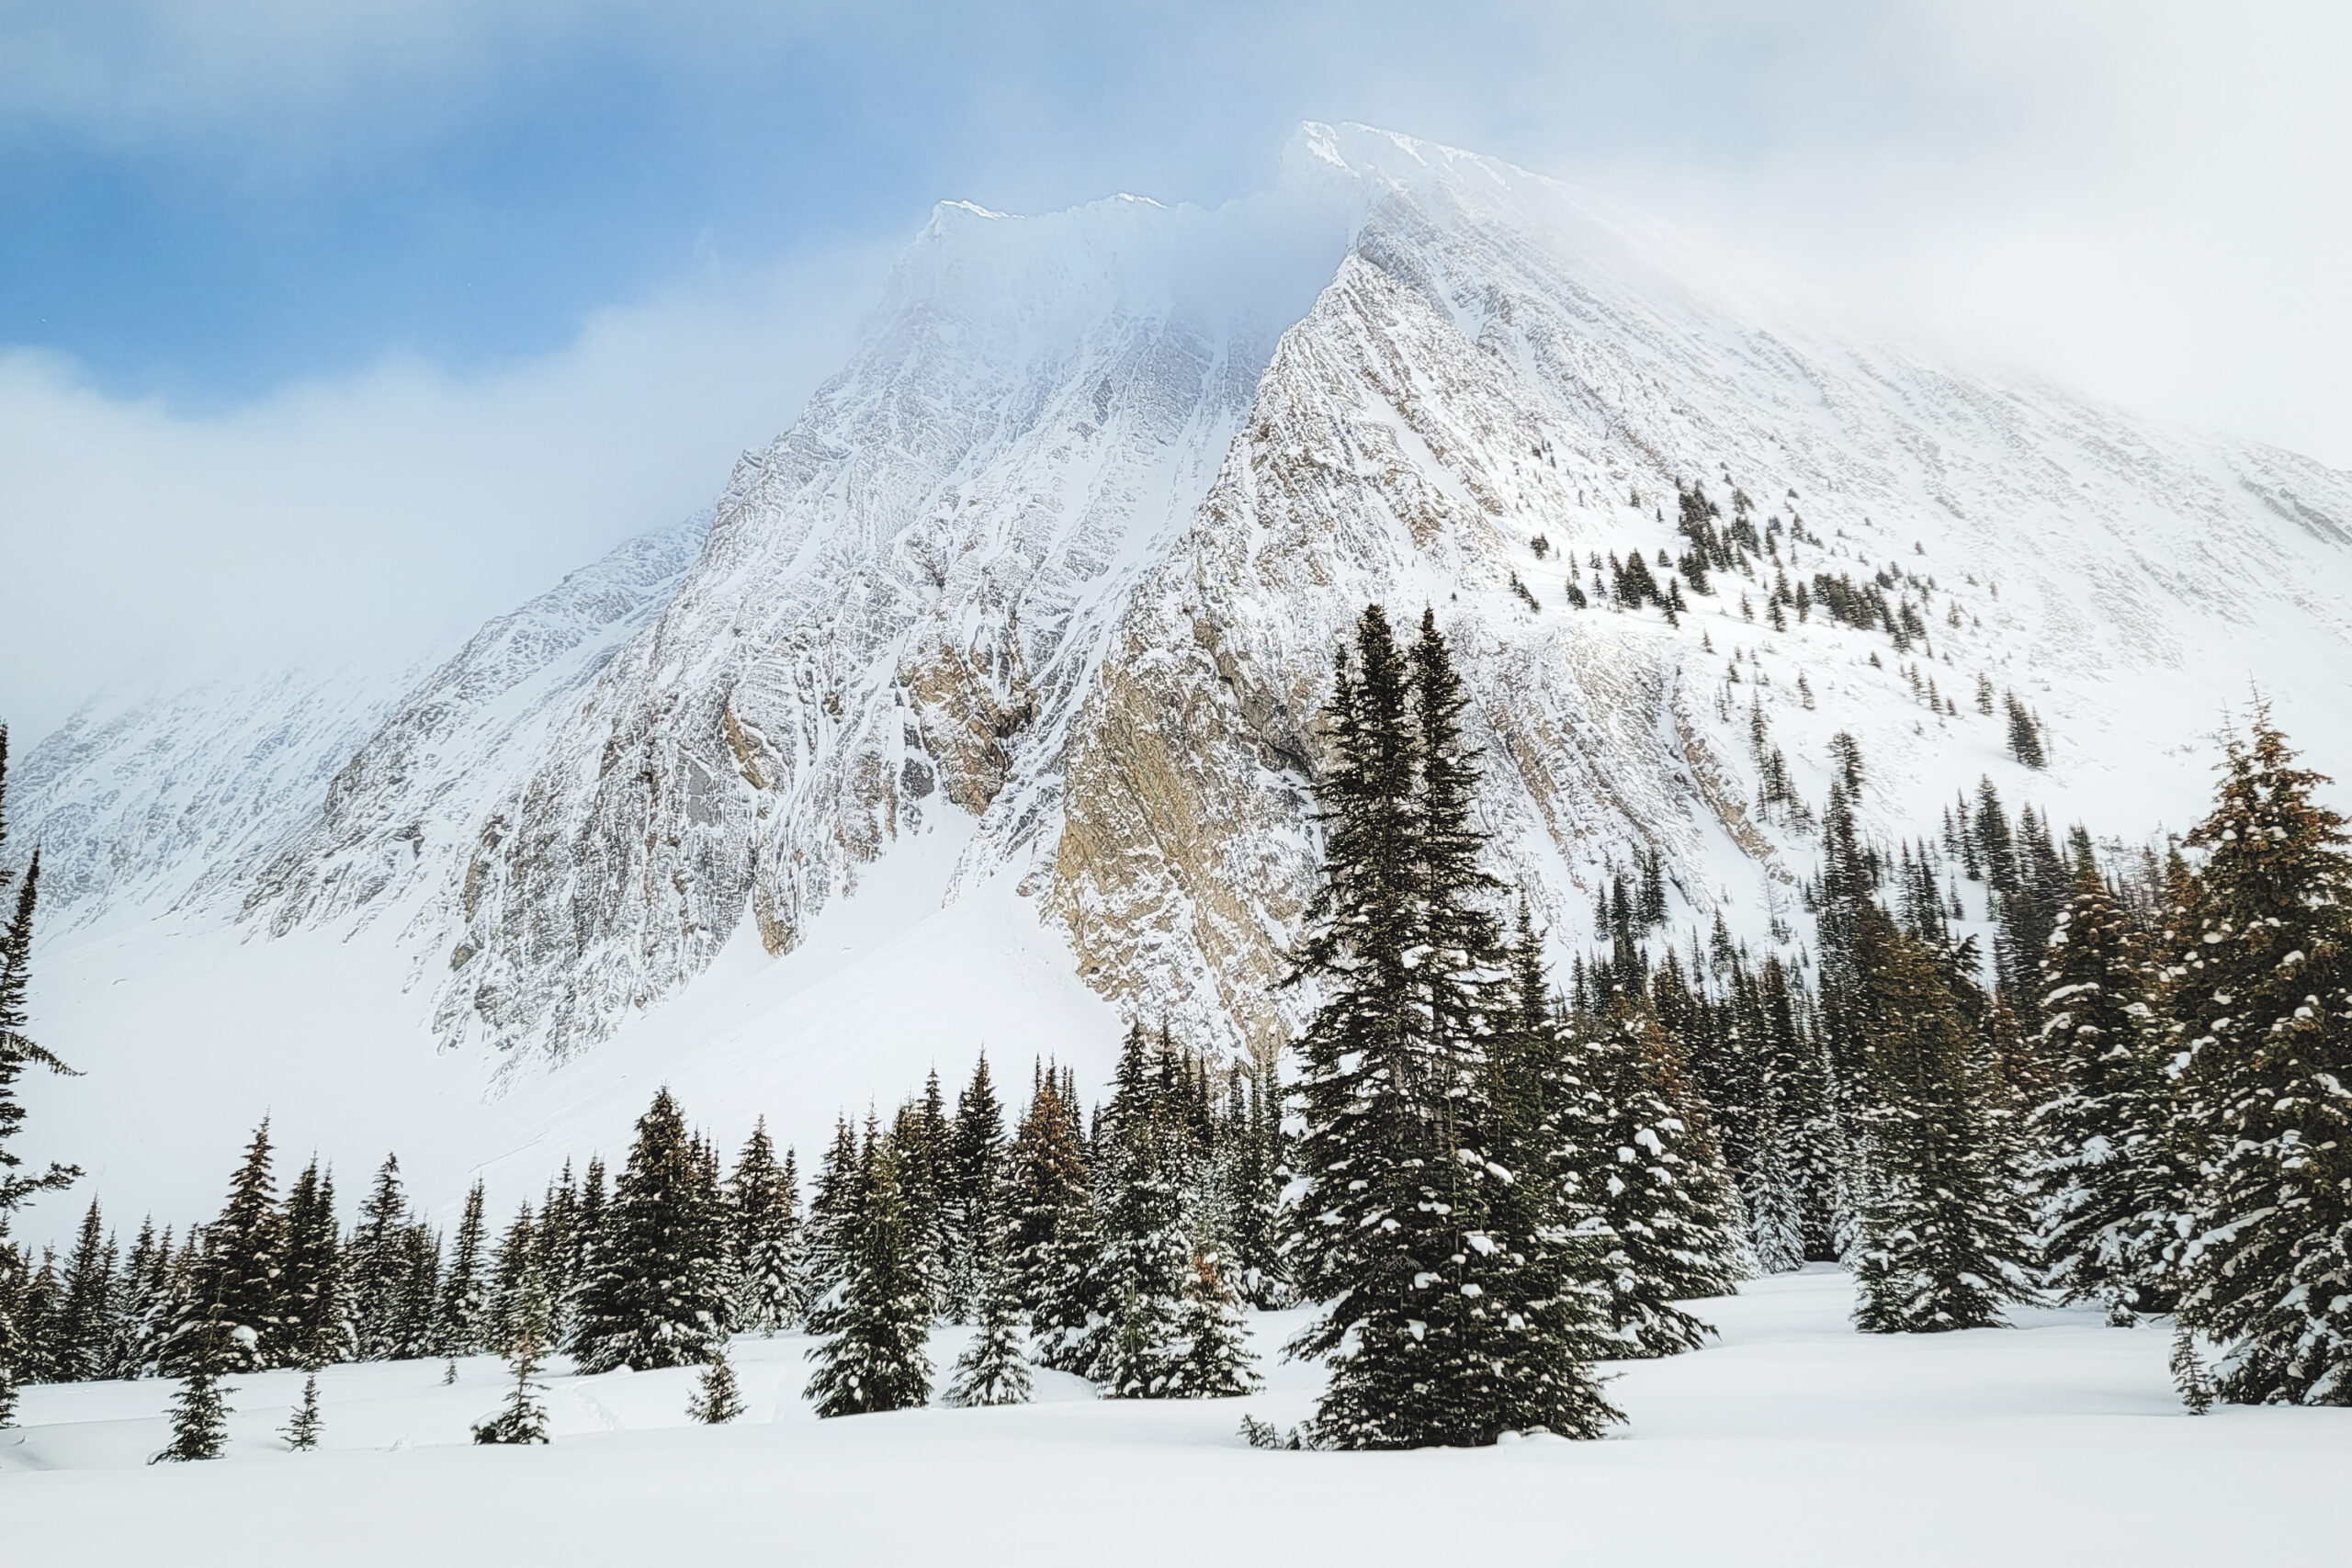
(1796, 1441)
(1041, 592)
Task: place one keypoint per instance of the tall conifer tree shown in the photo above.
(874, 1355)
(653, 1296)
(2263, 1000)
(2106, 1181)
(1943, 1244)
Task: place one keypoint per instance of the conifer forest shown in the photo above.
(1474, 1184)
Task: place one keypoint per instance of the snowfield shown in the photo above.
(1794, 1440)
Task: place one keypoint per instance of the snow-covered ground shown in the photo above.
(1795, 1441)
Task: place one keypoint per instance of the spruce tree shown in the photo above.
(301, 1431)
(313, 1327)
(764, 1211)
(231, 1310)
(2106, 1182)
(1140, 1264)
(874, 1355)
(976, 1178)
(18, 1050)
(1051, 1239)
(459, 1316)
(1667, 1226)
(524, 1418)
(518, 1279)
(1943, 1242)
(992, 1370)
(716, 1400)
(420, 1275)
(1399, 1234)
(2262, 999)
(85, 1319)
(653, 1296)
(377, 1266)
(831, 1209)
(200, 1411)
(1215, 1361)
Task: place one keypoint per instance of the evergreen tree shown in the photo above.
(831, 1212)
(18, 1050)
(1942, 1246)
(229, 1312)
(2107, 1183)
(420, 1277)
(2263, 1003)
(976, 1178)
(1050, 1218)
(139, 1293)
(1141, 1263)
(524, 1418)
(377, 1266)
(992, 1370)
(1215, 1360)
(653, 1296)
(518, 1279)
(1781, 1185)
(874, 1355)
(765, 1212)
(1395, 1232)
(152, 1289)
(717, 1400)
(1668, 1227)
(313, 1328)
(85, 1320)
(301, 1432)
(201, 1410)
(458, 1316)
(1248, 1162)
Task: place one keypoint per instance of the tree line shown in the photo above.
(1485, 1185)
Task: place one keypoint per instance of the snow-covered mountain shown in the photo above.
(1040, 593)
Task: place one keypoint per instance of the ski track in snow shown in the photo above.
(1796, 1441)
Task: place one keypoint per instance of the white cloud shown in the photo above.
(375, 515)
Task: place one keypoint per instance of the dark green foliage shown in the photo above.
(84, 1330)
(975, 1193)
(1050, 1220)
(2025, 733)
(1392, 1231)
(459, 1316)
(524, 1418)
(654, 1296)
(717, 1400)
(227, 1317)
(992, 1370)
(763, 1210)
(199, 1410)
(1215, 1360)
(2106, 1179)
(1668, 1227)
(876, 1355)
(301, 1431)
(2261, 988)
(1942, 1244)
(313, 1328)
(18, 1050)
(380, 1266)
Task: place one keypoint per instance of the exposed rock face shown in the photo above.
(1066, 549)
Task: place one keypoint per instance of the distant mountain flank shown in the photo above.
(1053, 569)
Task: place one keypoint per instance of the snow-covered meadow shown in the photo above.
(1795, 1439)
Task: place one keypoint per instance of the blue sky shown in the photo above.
(330, 326)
